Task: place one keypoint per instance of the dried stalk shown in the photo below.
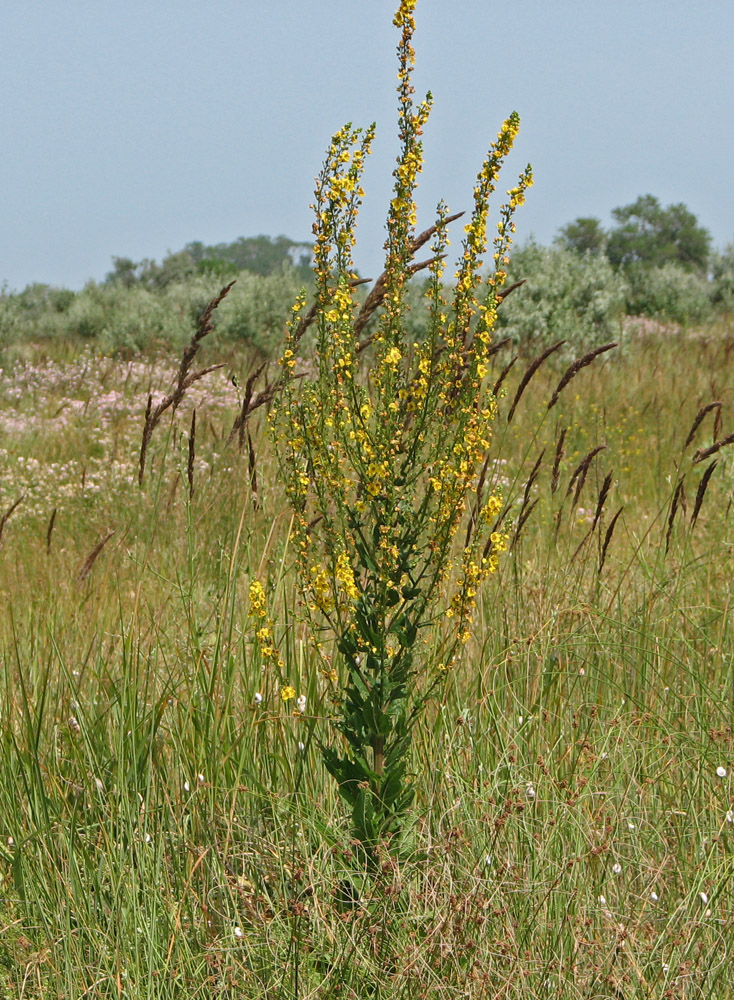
(576, 367)
(701, 492)
(671, 516)
(702, 454)
(557, 460)
(699, 417)
(503, 375)
(534, 366)
(91, 558)
(184, 378)
(50, 529)
(603, 493)
(9, 512)
(581, 472)
(608, 538)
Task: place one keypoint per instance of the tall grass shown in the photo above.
(165, 832)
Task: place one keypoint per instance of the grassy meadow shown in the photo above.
(167, 826)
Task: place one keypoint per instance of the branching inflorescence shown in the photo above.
(384, 453)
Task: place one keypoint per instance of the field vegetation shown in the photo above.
(222, 772)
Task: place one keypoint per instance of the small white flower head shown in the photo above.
(617, 868)
(238, 932)
(603, 756)
(11, 842)
(730, 816)
(520, 720)
(258, 698)
(721, 771)
(148, 838)
(582, 672)
(666, 968)
(487, 860)
(74, 724)
(99, 784)
(602, 900)
(301, 746)
(187, 786)
(301, 703)
(703, 896)
(654, 897)
(200, 778)
(530, 792)
(630, 825)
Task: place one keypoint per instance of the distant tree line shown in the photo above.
(262, 255)
(653, 262)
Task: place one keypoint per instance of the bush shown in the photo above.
(668, 292)
(567, 296)
(722, 274)
(256, 310)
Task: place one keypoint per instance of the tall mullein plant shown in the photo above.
(384, 452)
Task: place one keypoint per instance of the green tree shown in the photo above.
(649, 235)
(263, 255)
(583, 235)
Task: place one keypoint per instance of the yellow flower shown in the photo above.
(288, 693)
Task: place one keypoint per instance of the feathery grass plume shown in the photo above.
(603, 494)
(89, 562)
(192, 454)
(581, 544)
(474, 515)
(502, 376)
(526, 510)
(703, 453)
(238, 427)
(555, 475)
(382, 448)
(50, 529)
(9, 513)
(673, 509)
(532, 369)
(608, 538)
(522, 521)
(581, 471)
(716, 405)
(185, 378)
(701, 491)
(576, 367)
(172, 492)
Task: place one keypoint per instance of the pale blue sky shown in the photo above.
(131, 128)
